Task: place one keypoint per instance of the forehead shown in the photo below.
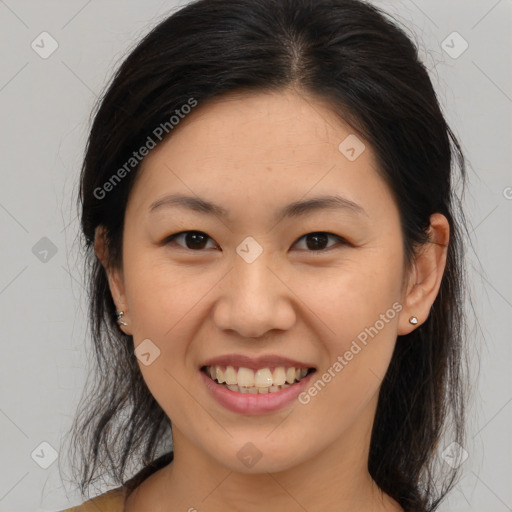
(261, 133)
(267, 123)
(260, 147)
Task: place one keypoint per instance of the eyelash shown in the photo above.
(341, 241)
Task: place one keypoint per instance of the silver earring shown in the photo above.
(413, 320)
(119, 315)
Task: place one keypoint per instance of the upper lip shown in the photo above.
(255, 363)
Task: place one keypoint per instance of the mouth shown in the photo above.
(261, 385)
(264, 380)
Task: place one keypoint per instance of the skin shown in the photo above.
(254, 154)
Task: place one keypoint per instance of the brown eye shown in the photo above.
(316, 242)
(197, 241)
(193, 240)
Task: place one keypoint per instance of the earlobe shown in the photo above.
(426, 275)
(114, 275)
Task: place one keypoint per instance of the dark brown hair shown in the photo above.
(357, 58)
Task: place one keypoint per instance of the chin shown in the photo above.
(259, 456)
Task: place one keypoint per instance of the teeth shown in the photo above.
(245, 377)
(279, 376)
(230, 376)
(254, 390)
(219, 374)
(290, 375)
(263, 380)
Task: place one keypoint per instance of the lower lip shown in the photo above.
(247, 403)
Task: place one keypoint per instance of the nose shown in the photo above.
(254, 299)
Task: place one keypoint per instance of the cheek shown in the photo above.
(359, 307)
(164, 303)
(353, 296)
(160, 294)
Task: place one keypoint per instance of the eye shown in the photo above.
(197, 240)
(316, 241)
(194, 240)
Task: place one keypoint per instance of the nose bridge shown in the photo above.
(254, 300)
(254, 279)
(252, 268)
(254, 284)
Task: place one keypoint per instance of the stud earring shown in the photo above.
(413, 320)
(119, 315)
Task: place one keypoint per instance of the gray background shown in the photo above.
(45, 107)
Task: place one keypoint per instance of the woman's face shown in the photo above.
(266, 285)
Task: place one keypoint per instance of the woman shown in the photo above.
(276, 271)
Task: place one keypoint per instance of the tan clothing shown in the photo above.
(110, 501)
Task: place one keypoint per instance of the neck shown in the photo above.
(336, 479)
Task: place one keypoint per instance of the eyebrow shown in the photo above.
(295, 209)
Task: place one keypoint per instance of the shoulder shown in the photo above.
(111, 501)
(115, 500)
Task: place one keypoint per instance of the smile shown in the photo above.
(256, 381)
(250, 386)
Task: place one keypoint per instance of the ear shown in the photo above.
(425, 275)
(114, 275)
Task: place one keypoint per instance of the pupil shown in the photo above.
(196, 239)
(319, 239)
